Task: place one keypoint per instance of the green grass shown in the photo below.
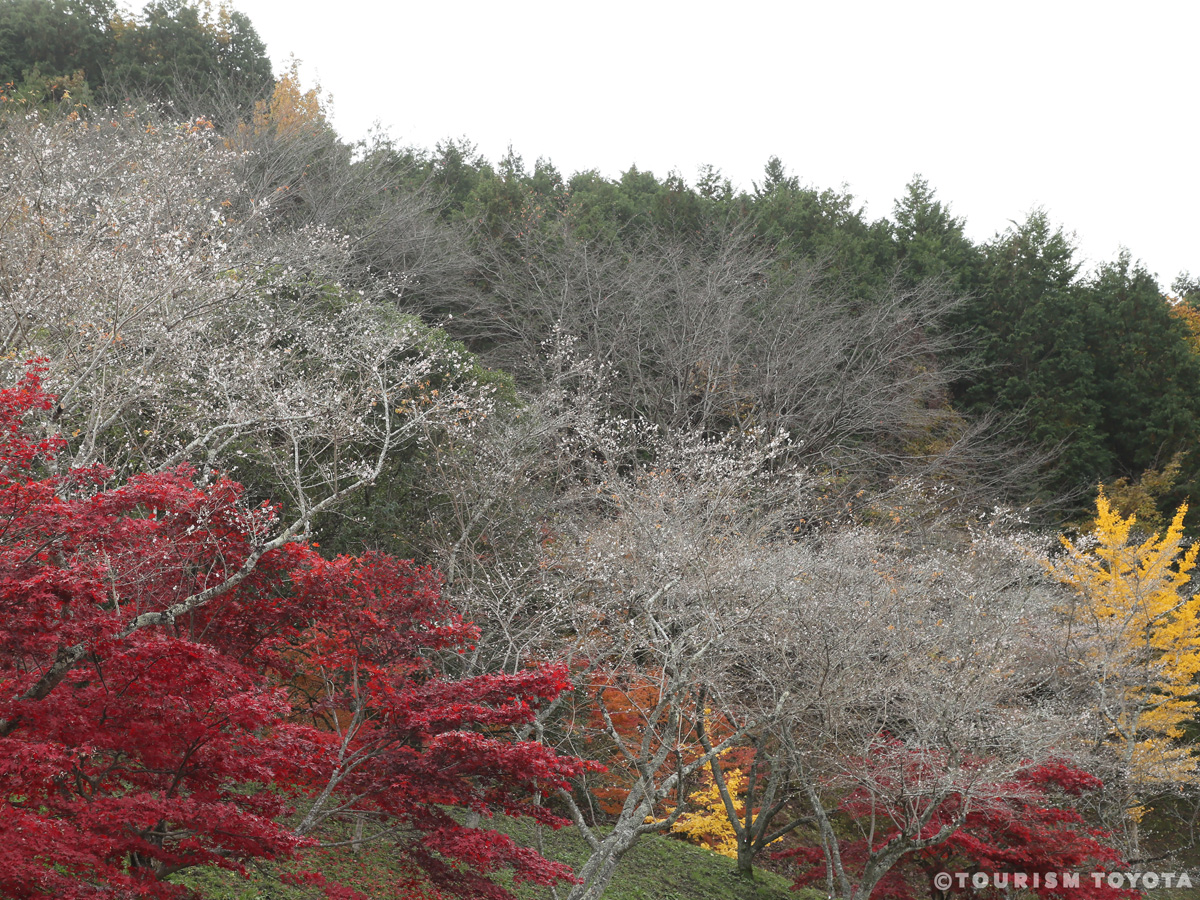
(662, 868)
(657, 868)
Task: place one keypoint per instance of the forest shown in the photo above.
(362, 498)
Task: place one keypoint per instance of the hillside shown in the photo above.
(658, 868)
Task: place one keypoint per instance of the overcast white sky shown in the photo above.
(1088, 109)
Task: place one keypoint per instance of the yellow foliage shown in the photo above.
(290, 112)
(707, 823)
(1141, 639)
(1190, 316)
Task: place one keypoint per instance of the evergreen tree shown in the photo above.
(1098, 368)
(803, 223)
(1031, 357)
(1147, 377)
(49, 41)
(178, 52)
(931, 243)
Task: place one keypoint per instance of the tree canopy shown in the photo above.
(353, 494)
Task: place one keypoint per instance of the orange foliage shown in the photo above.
(632, 702)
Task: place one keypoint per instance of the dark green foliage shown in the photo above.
(457, 168)
(930, 243)
(498, 202)
(1187, 288)
(1096, 367)
(174, 52)
(1147, 375)
(606, 210)
(638, 204)
(57, 38)
(1031, 353)
(827, 226)
(712, 185)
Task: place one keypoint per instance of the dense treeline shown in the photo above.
(1091, 367)
(173, 52)
(731, 514)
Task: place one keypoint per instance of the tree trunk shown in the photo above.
(745, 859)
(597, 872)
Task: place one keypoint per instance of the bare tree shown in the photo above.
(713, 333)
(655, 581)
(774, 788)
(373, 192)
(175, 322)
(569, 533)
(180, 320)
(702, 600)
(923, 681)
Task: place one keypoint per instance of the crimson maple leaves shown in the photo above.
(169, 699)
(1022, 826)
(183, 685)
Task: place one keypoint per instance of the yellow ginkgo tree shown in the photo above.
(706, 823)
(1137, 635)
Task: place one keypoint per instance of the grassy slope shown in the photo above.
(657, 868)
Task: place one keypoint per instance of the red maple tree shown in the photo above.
(141, 735)
(1024, 825)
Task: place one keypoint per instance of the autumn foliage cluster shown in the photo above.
(184, 738)
(358, 494)
(1024, 825)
